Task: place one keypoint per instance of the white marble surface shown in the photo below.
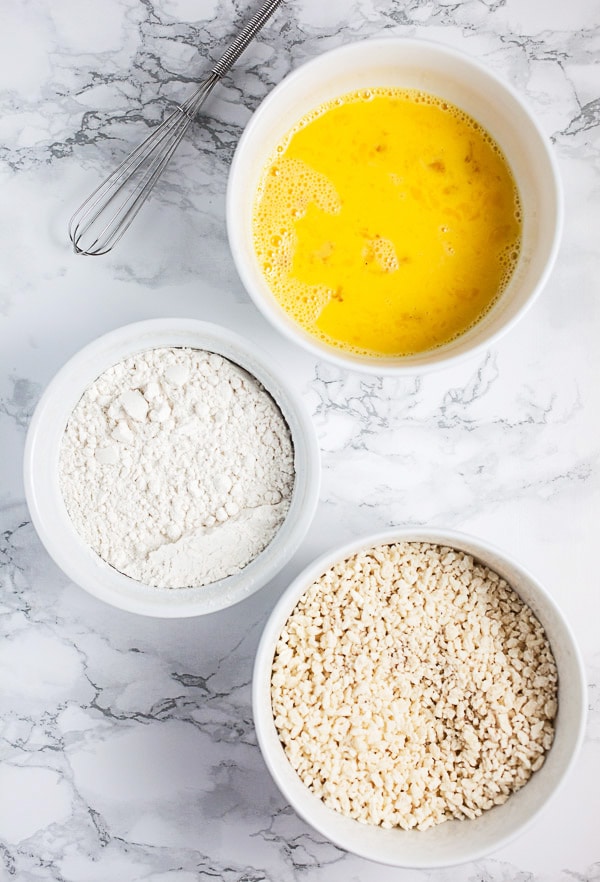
(128, 750)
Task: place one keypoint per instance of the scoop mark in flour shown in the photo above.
(208, 547)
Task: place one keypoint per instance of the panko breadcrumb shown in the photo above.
(411, 685)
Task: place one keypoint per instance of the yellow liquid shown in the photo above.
(387, 222)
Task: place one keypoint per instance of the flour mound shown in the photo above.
(177, 467)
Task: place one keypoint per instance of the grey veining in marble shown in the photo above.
(127, 744)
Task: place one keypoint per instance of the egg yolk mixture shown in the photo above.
(387, 222)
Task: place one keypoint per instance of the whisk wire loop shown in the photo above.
(101, 221)
(109, 211)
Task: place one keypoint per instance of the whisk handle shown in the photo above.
(245, 37)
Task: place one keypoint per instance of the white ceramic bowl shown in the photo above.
(45, 501)
(415, 64)
(453, 841)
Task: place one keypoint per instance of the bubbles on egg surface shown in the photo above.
(518, 209)
(508, 259)
(304, 302)
(382, 253)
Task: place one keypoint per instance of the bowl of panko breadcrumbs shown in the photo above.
(418, 697)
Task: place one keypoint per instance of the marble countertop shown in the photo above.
(128, 749)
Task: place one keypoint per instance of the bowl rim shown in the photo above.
(261, 702)
(379, 366)
(61, 538)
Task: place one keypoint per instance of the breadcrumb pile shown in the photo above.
(411, 685)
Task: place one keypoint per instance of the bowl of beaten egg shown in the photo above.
(393, 206)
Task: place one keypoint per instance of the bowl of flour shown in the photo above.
(168, 469)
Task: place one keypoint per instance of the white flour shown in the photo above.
(177, 467)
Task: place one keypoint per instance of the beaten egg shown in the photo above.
(387, 222)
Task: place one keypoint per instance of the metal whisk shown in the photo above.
(100, 222)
